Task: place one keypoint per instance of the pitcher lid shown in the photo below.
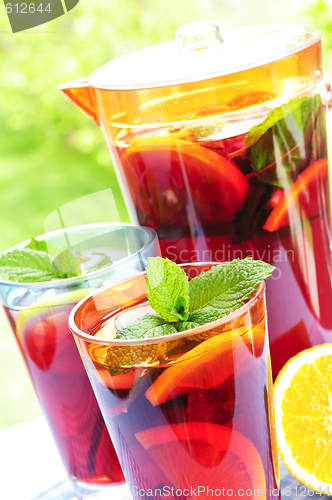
(202, 51)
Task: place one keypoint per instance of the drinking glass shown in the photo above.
(192, 411)
(38, 314)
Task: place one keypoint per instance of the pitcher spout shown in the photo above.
(79, 91)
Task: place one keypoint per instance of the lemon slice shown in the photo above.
(44, 304)
(303, 400)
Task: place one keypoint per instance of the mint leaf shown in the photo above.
(168, 289)
(204, 129)
(42, 246)
(205, 315)
(27, 266)
(281, 145)
(104, 261)
(182, 326)
(224, 288)
(206, 298)
(147, 326)
(67, 264)
(298, 107)
(34, 244)
(200, 129)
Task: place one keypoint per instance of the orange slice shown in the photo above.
(303, 400)
(207, 365)
(205, 455)
(162, 170)
(303, 194)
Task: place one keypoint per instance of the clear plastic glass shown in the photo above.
(38, 314)
(188, 409)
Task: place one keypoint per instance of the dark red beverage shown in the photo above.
(186, 410)
(41, 282)
(64, 390)
(262, 194)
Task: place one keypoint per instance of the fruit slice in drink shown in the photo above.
(168, 165)
(201, 368)
(304, 194)
(196, 454)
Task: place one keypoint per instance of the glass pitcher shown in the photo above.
(219, 144)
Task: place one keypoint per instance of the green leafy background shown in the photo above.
(50, 153)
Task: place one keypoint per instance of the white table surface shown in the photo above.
(29, 461)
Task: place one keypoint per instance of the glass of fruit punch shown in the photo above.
(179, 362)
(41, 282)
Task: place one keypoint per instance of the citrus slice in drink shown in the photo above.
(303, 195)
(43, 325)
(44, 304)
(303, 402)
(207, 365)
(205, 455)
(162, 170)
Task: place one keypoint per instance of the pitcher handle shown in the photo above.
(79, 91)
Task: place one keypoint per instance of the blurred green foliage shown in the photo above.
(51, 153)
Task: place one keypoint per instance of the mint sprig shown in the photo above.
(39, 261)
(27, 266)
(184, 304)
(42, 246)
(168, 290)
(225, 287)
(104, 261)
(67, 264)
(281, 145)
(147, 326)
(37, 245)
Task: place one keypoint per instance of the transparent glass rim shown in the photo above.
(173, 336)
(81, 278)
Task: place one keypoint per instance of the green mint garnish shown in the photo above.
(182, 326)
(184, 304)
(67, 264)
(103, 262)
(202, 129)
(224, 288)
(42, 246)
(205, 315)
(168, 289)
(147, 326)
(37, 245)
(281, 145)
(27, 266)
(39, 261)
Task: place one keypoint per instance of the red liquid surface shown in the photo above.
(207, 204)
(203, 417)
(66, 396)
